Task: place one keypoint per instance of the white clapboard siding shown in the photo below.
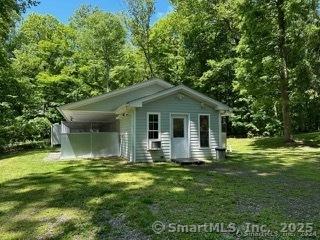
(175, 104)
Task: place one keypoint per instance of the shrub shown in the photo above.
(28, 145)
(22, 130)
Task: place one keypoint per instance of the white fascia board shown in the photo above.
(63, 114)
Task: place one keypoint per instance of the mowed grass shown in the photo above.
(263, 181)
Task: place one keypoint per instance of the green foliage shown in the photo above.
(42, 65)
(259, 68)
(139, 20)
(130, 68)
(22, 130)
(226, 49)
(100, 38)
(168, 52)
(54, 64)
(10, 10)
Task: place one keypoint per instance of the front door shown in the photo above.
(179, 136)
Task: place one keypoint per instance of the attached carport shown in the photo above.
(89, 134)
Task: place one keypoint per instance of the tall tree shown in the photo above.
(100, 40)
(273, 51)
(208, 35)
(130, 68)
(42, 64)
(284, 79)
(10, 10)
(167, 48)
(11, 91)
(139, 20)
(209, 39)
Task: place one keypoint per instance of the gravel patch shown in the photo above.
(123, 231)
(52, 224)
(297, 199)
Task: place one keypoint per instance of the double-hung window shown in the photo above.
(153, 126)
(204, 126)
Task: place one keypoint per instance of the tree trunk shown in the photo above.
(146, 52)
(148, 58)
(315, 5)
(284, 82)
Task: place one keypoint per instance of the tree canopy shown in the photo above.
(262, 58)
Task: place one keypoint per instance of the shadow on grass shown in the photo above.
(101, 189)
(24, 153)
(104, 199)
(301, 140)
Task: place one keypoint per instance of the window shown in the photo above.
(204, 130)
(178, 127)
(153, 125)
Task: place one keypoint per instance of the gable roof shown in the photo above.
(114, 93)
(179, 89)
(75, 111)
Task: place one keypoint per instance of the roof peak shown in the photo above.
(219, 105)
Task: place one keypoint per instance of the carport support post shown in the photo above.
(51, 135)
(91, 139)
(220, 129)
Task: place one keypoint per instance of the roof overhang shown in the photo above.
(114, 93)
(88, 116)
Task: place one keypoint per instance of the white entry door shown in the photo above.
(179, 136)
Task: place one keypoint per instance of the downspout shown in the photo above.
(220, 130)
(133, 136)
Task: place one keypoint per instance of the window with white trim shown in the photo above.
(153, 126)
(204, 130)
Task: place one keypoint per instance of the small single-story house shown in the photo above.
(148, 121)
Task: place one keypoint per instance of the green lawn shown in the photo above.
(262, 182)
